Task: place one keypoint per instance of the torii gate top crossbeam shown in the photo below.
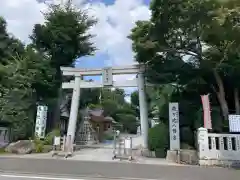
(133, 69)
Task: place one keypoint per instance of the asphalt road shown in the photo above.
(88, 170)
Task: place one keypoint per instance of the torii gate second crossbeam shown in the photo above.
(107, 81)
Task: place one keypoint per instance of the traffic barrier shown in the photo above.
(122, 147)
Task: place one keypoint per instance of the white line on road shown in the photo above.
(50, 177)
(37, 177)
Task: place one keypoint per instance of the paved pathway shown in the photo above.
(103, 154)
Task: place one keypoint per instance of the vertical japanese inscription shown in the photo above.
(41, 119)
(107, 77)
(174, 126)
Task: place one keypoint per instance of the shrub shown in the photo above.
(39, 145)
(108, 136)
(158, 139)
(2, 151)
(129, 122)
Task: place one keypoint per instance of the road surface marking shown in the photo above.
(50, 177)
(37, 177)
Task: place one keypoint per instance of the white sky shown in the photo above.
(114, 23)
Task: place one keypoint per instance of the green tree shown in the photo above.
(22, 80)
(63, 38)
(110, 107)
(26, 78)
(89, 97)
(9, 46)
(173, 45)
(135, 99)
(113, 103)
(192, 47)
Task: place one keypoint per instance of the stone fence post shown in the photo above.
(202, 143)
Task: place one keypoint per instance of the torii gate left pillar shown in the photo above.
(72, 123)
(78, 84)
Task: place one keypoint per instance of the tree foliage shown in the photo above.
(9, 46)
(193, 47)
(113, 103)
(31, 74)
(63, 38)
(193, 44)
(64, 35)
(22, 81)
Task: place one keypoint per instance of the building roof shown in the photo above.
(97, 115)
(96, 112)
(111, 119)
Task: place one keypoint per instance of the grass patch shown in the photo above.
(2, 151)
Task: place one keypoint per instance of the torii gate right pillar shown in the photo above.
(143, 109)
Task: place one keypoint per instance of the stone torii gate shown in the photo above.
(107, 81)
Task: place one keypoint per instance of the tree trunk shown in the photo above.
(236, 100)
(221, 95)
(223, 105)
(57, 111)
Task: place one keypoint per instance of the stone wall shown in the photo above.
(183, 156)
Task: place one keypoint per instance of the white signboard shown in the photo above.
(174, 131)
(57, 141)
(41, 121)
(107, 77)
(234, 123)
(128, 143)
